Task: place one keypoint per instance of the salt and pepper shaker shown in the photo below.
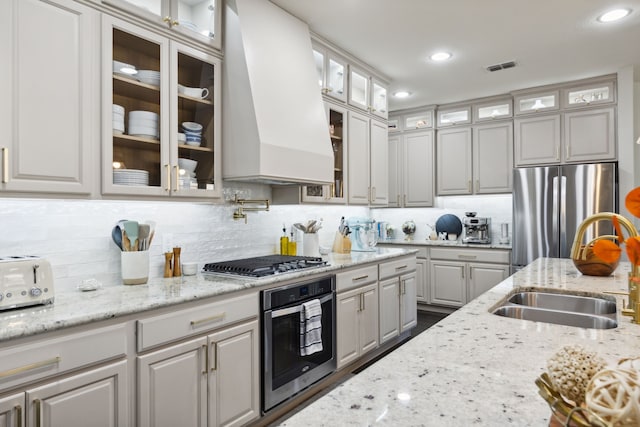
(168, 270)
(176, 262)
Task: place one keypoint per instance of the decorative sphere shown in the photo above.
(409, 227)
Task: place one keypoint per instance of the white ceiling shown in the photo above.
(552, 41)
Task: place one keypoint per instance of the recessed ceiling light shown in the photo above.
(440, 56)
(614, 15)
(401, 94)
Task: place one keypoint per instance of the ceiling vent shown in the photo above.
(503, 66)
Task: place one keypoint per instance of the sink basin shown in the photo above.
(564, 302)
(557, 317)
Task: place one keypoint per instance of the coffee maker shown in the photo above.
(476, 230)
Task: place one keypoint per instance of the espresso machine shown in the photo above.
(476, 229)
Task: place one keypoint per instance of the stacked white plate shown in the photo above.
(144, 123)
(118, 119)
(130, 177)
(124, 69)
(149, 77)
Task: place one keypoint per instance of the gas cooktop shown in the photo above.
(264, 265)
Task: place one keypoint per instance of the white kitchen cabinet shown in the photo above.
(589, 93)
(493, 158)
(48, 108)
(493, 110)
(367, 93)
(367, 160)
(151, 147)
(589, 135)
(454, 161)
(398, 306)
(357, 317)
(459, 275)
(199, 20)
(422, 280)
(536, 102)
(453, 116)
(379, 101)
(537, 140)
(332, 72)
(335, 192)
(12, 409)
(411, 166)
(212, 377)
(418, 120)
(97, 397)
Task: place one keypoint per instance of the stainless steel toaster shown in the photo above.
(25, 281)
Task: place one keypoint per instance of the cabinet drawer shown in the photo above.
(47, 357)
(161, 329)
(397, 267)
(475, 255)
(358, 277)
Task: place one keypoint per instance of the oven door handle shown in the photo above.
(296, 309)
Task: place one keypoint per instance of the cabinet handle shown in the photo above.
(329, 90)
(402, 288)
(405, 200)
(168, 168)
(355, 279)
(467, 256)
(175, 23)
(362, 303)
(369, 194)
(470, 273)
(469, 186)
(477, 185)
(30, 367)
(373, 194)
(18, 409)
(5, 165)
(398, 197)
(38, 405)
(215, 318)
(402, 267)
(462, 270)
(558, 152)
(177, 174)
(214, 357)
(167, 20)
(568, 153)
(206, 360)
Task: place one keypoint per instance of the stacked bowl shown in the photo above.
(149, 77)
(193, 133)
(144, 123)
(118, 119)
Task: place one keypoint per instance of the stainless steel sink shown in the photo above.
(560, 309)
(557, 317)
(564, 302)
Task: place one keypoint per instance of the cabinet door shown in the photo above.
(234, 375)
(379, 99)
(369, 319)
(347, 312)
(379, 164)
(418, 169)
(454, 161)
(49, 85)
(335, 78)
(358, 160)
(408, 304)
(97, 397)
(483, 277)
(396, 167)
(537, 140)
(493, 158)
(12, 410)
(359, 89)
(422, 280)
(172, 386)
(590, 135)
(448, 283)
(389, 309)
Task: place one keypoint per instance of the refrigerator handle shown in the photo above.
(563, 216)
(555, 208)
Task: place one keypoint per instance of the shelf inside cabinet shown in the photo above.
(336, 137)
(189, 99)
(195, 148)
(137, 141)
(135, 89)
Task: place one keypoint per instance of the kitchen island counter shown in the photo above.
(473, 367)
(72, 308)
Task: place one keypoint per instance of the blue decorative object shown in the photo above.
(449, 224)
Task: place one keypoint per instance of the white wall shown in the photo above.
(75, 235)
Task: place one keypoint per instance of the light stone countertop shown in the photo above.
(473, 367)
(73, 308)
(449, 243)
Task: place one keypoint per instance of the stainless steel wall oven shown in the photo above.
(285, 371)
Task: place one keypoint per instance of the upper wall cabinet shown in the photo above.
(48, 109)
(595, 93)
(197, 19)
(332, 73)
(532, 103)
(367, 93)
(161, 115)
(418, 120)
(496, 110)
(452, 116)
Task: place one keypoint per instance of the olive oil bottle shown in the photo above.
(284, 242)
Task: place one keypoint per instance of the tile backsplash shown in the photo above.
(75, 235)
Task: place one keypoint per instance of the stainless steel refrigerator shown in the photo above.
(550, 202)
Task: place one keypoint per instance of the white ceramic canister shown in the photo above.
(135, 267)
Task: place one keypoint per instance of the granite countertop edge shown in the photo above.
(445, 243)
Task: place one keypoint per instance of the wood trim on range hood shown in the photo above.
(274, 125)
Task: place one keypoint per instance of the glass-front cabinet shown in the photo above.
(331, 71)
(197, 19)
(590, 94)
(534, 103)
(161, 115)
(379, 100)
(335, 192)
(418, 120)
(359, 88)
(500, 109)
(454, 116)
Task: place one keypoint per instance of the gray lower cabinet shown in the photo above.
(398, 309)
(12, 410)
(357, 317)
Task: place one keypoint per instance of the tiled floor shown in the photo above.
(425, 321)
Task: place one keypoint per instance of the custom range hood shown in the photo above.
(275, 129)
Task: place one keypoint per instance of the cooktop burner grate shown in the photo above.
(264, 265)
